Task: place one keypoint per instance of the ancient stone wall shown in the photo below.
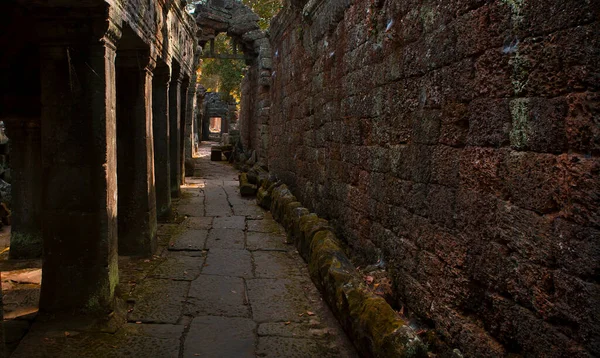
(255, 111)
(458, 142)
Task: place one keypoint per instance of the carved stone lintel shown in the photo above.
(162, 73)
(141, 59)
(80, 26)
(112, 34)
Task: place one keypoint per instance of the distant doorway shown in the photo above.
(215, 125)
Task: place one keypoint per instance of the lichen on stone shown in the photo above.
(519, 109)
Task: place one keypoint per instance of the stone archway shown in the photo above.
(241, 24)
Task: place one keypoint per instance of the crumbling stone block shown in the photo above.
(246, 189)
(216, 154)
(366, 316)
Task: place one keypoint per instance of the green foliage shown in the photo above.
(225, 75)
(266, 9)
(221, 75)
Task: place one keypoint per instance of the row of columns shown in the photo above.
(104, 160)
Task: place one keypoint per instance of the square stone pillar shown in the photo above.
(135, 147)
(189, 119)
(185, 145)
(175, 130)
(26, 191)
(3, 352)
(79, 164)
(160, 122)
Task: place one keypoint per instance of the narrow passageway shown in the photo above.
(224, 283)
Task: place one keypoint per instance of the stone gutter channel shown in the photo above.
(375, 327)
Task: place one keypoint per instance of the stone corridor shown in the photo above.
(436, 164)
(224, 283)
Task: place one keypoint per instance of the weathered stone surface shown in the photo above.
(168, 313)
(179, 268)
(365, 315)
(266, 225)
(216, 200)
(246, 188)
(217, 296)
(276, 264)
(308, 226)
(193, 208)
(284, 329)
(190, 240)
(198, 223)
(266, 241)
(228, 262)
(96, 345)
(291, 347)
(281, 197)
(257, 175)
(225, 239)
(456, 144)
(158, 301)
(222, 336)
(168, 331)
(230, 222)
(276, 299)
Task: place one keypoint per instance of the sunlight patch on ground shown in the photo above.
(21, 292)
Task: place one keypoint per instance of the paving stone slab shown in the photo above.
(213, 336)
(230, 222)
(225, 239)
(246, 208)
(202, 253)
(211, 184)
(267, 241)
(216, 202)
(218, 209)
(194, 208)
(217, 296)
(198, 223)
(265, 225)
(179, 268)
(285, 329)
(277, 300)
(158, 301)
(95, 345)
(293, 348)
(231, 185)
(193, 191)
(221, 262)
(153, 330)
(190, 240)
(271, 264)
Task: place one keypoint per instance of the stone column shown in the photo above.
(26, 191)
(189, 119)
(175, 130)
(79, 161)
(3, 352)
(225, 123)
(160, 122)
(205, 127)
(185, 143)
(135, 145)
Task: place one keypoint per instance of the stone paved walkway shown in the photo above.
(223, 284)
